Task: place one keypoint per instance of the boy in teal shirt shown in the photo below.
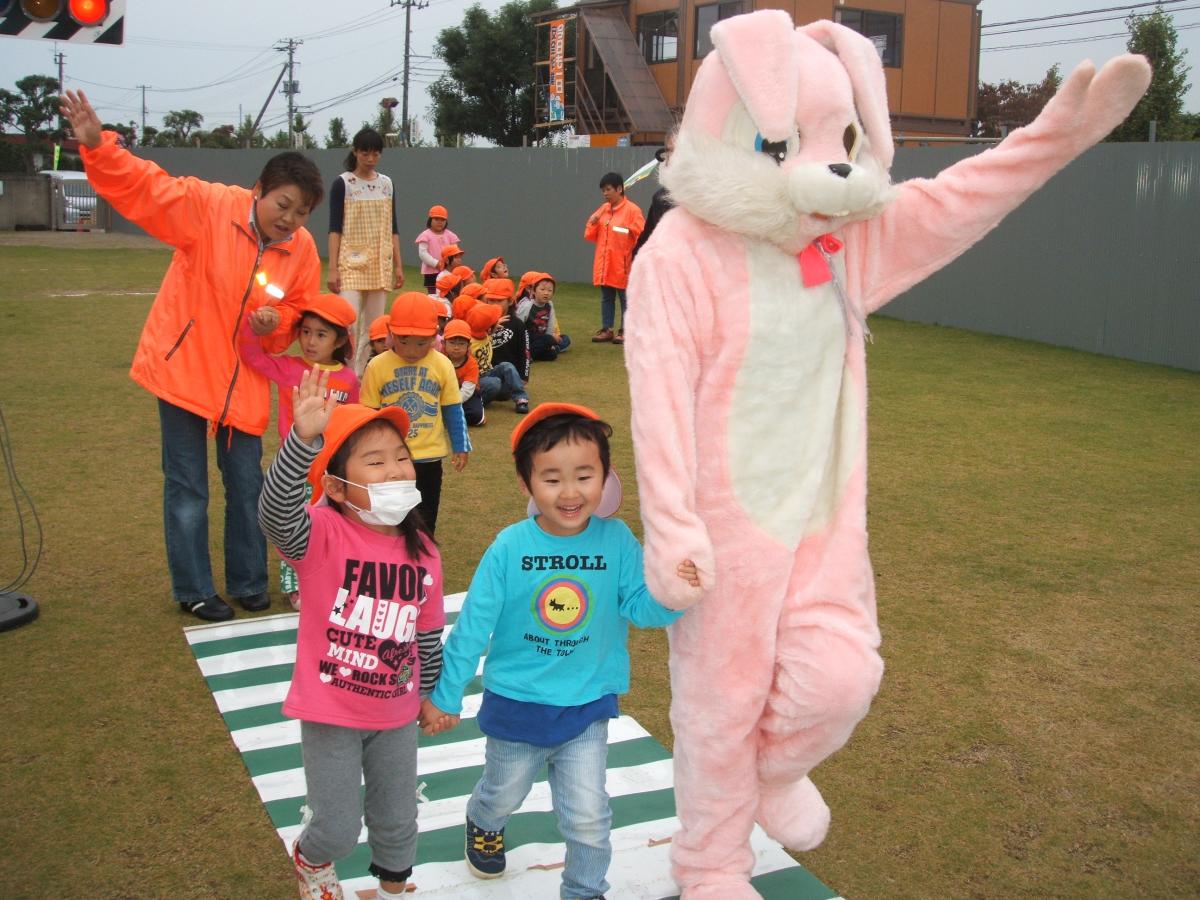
(554, 596)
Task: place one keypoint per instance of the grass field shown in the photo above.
(1035, 530)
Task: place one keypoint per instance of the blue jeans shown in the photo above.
(502, 382)
(608, 305)
(545, 348)
(185, 506)
(577, 776)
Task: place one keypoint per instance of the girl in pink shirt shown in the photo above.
(322, 331)
(368, 649)
(430, 243)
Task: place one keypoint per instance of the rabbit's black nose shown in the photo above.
(841, 170)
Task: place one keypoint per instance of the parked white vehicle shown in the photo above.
(78, 197)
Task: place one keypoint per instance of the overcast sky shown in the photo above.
(354, 49)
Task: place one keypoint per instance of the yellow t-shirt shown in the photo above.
(421, 389)
(481, 350)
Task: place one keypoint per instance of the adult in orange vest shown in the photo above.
(614, 229)
(235, 249)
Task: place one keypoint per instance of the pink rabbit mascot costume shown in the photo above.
(753, 293)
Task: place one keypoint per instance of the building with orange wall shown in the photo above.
(626, 66)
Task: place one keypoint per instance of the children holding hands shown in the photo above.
(368, 648)
(553, 598)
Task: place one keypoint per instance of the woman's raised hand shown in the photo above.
(85, 124)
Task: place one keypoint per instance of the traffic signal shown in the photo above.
(73, 21)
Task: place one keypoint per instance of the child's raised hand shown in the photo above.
(688, 572)
(311, 404)
(264, 320)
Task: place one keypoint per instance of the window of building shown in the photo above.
(658, 36)
(885, 29)
(710, 15)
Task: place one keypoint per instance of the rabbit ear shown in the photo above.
(760, 54)
(861, 62)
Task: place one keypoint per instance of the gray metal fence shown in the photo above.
(1101, 259)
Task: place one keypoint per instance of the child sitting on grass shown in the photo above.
(557, 631)
(457, 337)
(510, 347)
(368, 647)
(537, 312)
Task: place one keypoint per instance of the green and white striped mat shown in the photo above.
(248, 665)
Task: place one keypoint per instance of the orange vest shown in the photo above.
(187, 354)
(615, 236)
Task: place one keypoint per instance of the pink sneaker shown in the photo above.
(316, 882)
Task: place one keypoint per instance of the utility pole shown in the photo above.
(290, 87)
(60, 59)
(405, 138)
(143, 87)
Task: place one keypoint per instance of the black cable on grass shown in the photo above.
(18, 490)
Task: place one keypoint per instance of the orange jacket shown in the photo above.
(614, 235)
(187, 354)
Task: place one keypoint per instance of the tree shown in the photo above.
(488, 90)
(304, 140)
(128, 132)
(1010, 105)
(1154, 36)
(337, 136)
(249, 136)
(182, 122)
(33, 110)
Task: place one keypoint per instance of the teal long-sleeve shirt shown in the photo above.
(556, 612)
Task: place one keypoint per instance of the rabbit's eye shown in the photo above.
(777, 150)
(852, 140)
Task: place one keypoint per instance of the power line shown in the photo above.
(1082, 12)
(1079, 40)
(1074, 24)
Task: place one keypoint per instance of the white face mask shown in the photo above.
(391, 501)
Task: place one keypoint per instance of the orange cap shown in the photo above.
(544, 276)
(486, 272)
(465, 273)
(473, 290)
(438, 212)
(331, 308)
(462, 303)
(498, 289)
(378, 329)
(414, 313)
(481, 317)
(446, 282)
(346, 419)
(451, 250)
(457, 328)
(545, 411)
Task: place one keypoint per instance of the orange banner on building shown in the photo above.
(558, 81)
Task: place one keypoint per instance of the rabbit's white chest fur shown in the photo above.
(795, 422)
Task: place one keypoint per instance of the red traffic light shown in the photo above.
(88, 13)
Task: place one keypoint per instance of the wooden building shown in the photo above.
(627, 65)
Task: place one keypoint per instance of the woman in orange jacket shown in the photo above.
(235, 249)
(614, 229)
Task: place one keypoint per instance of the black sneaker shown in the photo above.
(255, 602)
(214, 609)
(485, 851)
(521, 406)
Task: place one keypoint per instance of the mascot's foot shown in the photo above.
(739, 889)
(795, 815)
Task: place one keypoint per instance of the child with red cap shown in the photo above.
(323, 333)
(546, 341)
(368, 648)
(508, 373)
(421, 381)
(431, 241)
(551, 603)
(457, 340)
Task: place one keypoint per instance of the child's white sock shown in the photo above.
(388, 895)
